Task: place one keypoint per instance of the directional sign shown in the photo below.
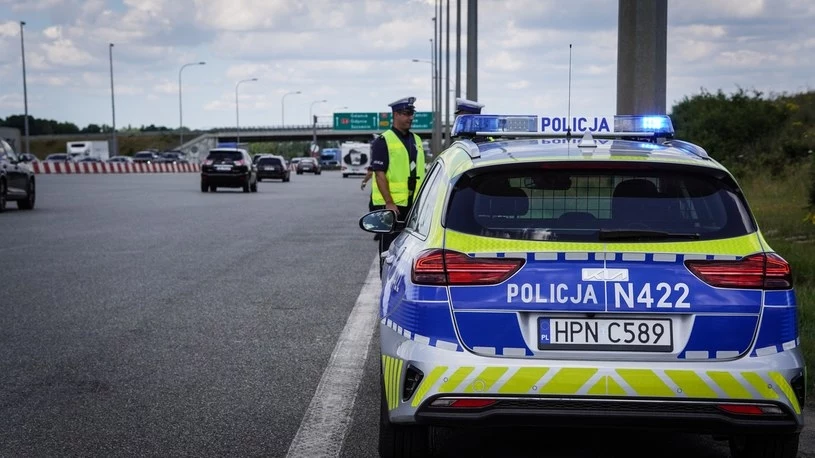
(422, 120)
(356, 121)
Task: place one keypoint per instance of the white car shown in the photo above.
(120, 160)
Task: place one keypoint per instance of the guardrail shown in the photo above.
(92, 167)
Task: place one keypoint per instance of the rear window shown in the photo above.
(225, 155)
(597, 205)
(269, 161)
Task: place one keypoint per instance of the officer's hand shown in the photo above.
(362, 186)
(392, 207)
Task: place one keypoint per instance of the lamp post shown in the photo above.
(314, 122)
(114, 144)
(238, 111)
(180, 106)
(25, 89)
(432, 78)
(283, 106)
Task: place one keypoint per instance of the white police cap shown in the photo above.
(403, 104)
(468, 106)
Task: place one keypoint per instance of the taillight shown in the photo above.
(757, 271)
(445, 267)
(208, 162)
(240, 162)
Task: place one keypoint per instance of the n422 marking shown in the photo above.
(665, 296)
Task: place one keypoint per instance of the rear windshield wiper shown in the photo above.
(627, 234)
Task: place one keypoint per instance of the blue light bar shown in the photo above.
(657, 124)
(470, 124)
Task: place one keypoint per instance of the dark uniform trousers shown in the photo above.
(386, 239)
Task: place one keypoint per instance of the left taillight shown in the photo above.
(208, 162)
(757, 271)
(446, 267)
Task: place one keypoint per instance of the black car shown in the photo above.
(310, 165)
(16, 180)
(273, 167)
(228, 168)
(172, 157)
(146, 157)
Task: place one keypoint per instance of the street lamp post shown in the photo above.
(25, 90)
(283, 106)
(314, 121)
(114, 144)
(238, 111)
(432, 78)
(180, 106)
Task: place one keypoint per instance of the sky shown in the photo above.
(357, 55)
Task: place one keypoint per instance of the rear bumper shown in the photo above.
(687, 395)
(235, 180)
(272, 174)
(691, 416)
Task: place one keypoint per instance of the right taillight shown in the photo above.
(757, 271)
(445, 267)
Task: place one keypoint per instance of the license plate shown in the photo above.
(268, 168)
(605, 334)
(223, 167)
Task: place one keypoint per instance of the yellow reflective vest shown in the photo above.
(398, 171)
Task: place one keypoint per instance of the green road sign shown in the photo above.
(356, 121)
(423, 120)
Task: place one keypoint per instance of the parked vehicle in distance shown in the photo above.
(120, 160)
(173, 157)
(228, 168)
(272, 167)
(310, 165)
(146, 157)
(90, 160)
(29, 158)
(88, 148)
(58, 157)
(16, 180)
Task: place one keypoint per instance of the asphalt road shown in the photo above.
(139, 316)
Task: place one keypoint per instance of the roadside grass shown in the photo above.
(780, 206)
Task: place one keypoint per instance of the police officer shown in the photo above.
(397, 159)
(464, 106)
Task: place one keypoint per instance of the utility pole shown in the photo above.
(114, 143)
(25, 90)
(447, 84)
(472, 49)
(642, 43)
(458, 48)
(180, 106)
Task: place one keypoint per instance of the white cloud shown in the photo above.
(65, 53)
(9, 29)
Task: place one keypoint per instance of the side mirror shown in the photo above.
(378, 222)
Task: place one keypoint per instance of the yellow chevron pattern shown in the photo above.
(590, 381)
(392, 377)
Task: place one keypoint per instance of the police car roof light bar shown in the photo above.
(660, 125)
(469, 125)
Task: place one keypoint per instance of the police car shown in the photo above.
(610, 279)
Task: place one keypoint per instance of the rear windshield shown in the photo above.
(269, 161)
(225, 155)
(597, 205)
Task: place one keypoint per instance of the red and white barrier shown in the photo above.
(93, 167)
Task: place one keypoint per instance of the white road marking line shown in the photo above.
(322, 431)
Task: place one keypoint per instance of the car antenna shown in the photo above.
(569, 98)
